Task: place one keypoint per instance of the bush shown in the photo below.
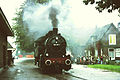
(112, 62)
(117, 63)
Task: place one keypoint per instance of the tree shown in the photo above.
(42, 1)
(21, 31)
(110, 5)
(24, 38)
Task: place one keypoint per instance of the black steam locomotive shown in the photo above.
(50, 52)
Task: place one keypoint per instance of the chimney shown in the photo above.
(55, 30)
(118, 26)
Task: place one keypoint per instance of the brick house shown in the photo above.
(5, 30)
(105, 42)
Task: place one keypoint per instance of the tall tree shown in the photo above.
(110, 5)
(24, 39)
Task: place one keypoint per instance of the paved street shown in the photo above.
(24, 69)
(93, 74)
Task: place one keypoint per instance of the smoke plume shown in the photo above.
(41, 18)
(53, 16)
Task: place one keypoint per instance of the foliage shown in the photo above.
(42, 1)
(24, 39)
(110, 5)
(115, 68)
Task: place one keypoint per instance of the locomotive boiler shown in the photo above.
(50, 52)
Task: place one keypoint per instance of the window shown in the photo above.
(117, 52)
(96, 53)
(111, 53)
(112, 39)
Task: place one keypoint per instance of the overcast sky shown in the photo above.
(9, 8)
(87, 13)
(81, 14)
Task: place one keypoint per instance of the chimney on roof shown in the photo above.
(119, 26)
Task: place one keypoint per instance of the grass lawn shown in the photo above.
(115, 68)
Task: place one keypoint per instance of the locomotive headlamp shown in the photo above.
(67, 61)
(56, 38)
(46, 54)
(48, 62)
(56, 44)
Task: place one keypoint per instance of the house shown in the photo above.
(104, 42)
(5, 30)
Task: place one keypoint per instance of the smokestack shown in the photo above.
(55, 30)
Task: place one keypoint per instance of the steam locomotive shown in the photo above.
(50, 52)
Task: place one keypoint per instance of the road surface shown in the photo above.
(24, 69)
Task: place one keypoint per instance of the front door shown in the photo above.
(111, 53)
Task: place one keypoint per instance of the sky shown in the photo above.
(89, 16)
(88, 13)
(80, 14)
(9, 8)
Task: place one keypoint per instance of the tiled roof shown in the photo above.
(4, 25)
(100, 32)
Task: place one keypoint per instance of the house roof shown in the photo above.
(100, 32)
(4, 25)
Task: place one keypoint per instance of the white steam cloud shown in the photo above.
(37, 17)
